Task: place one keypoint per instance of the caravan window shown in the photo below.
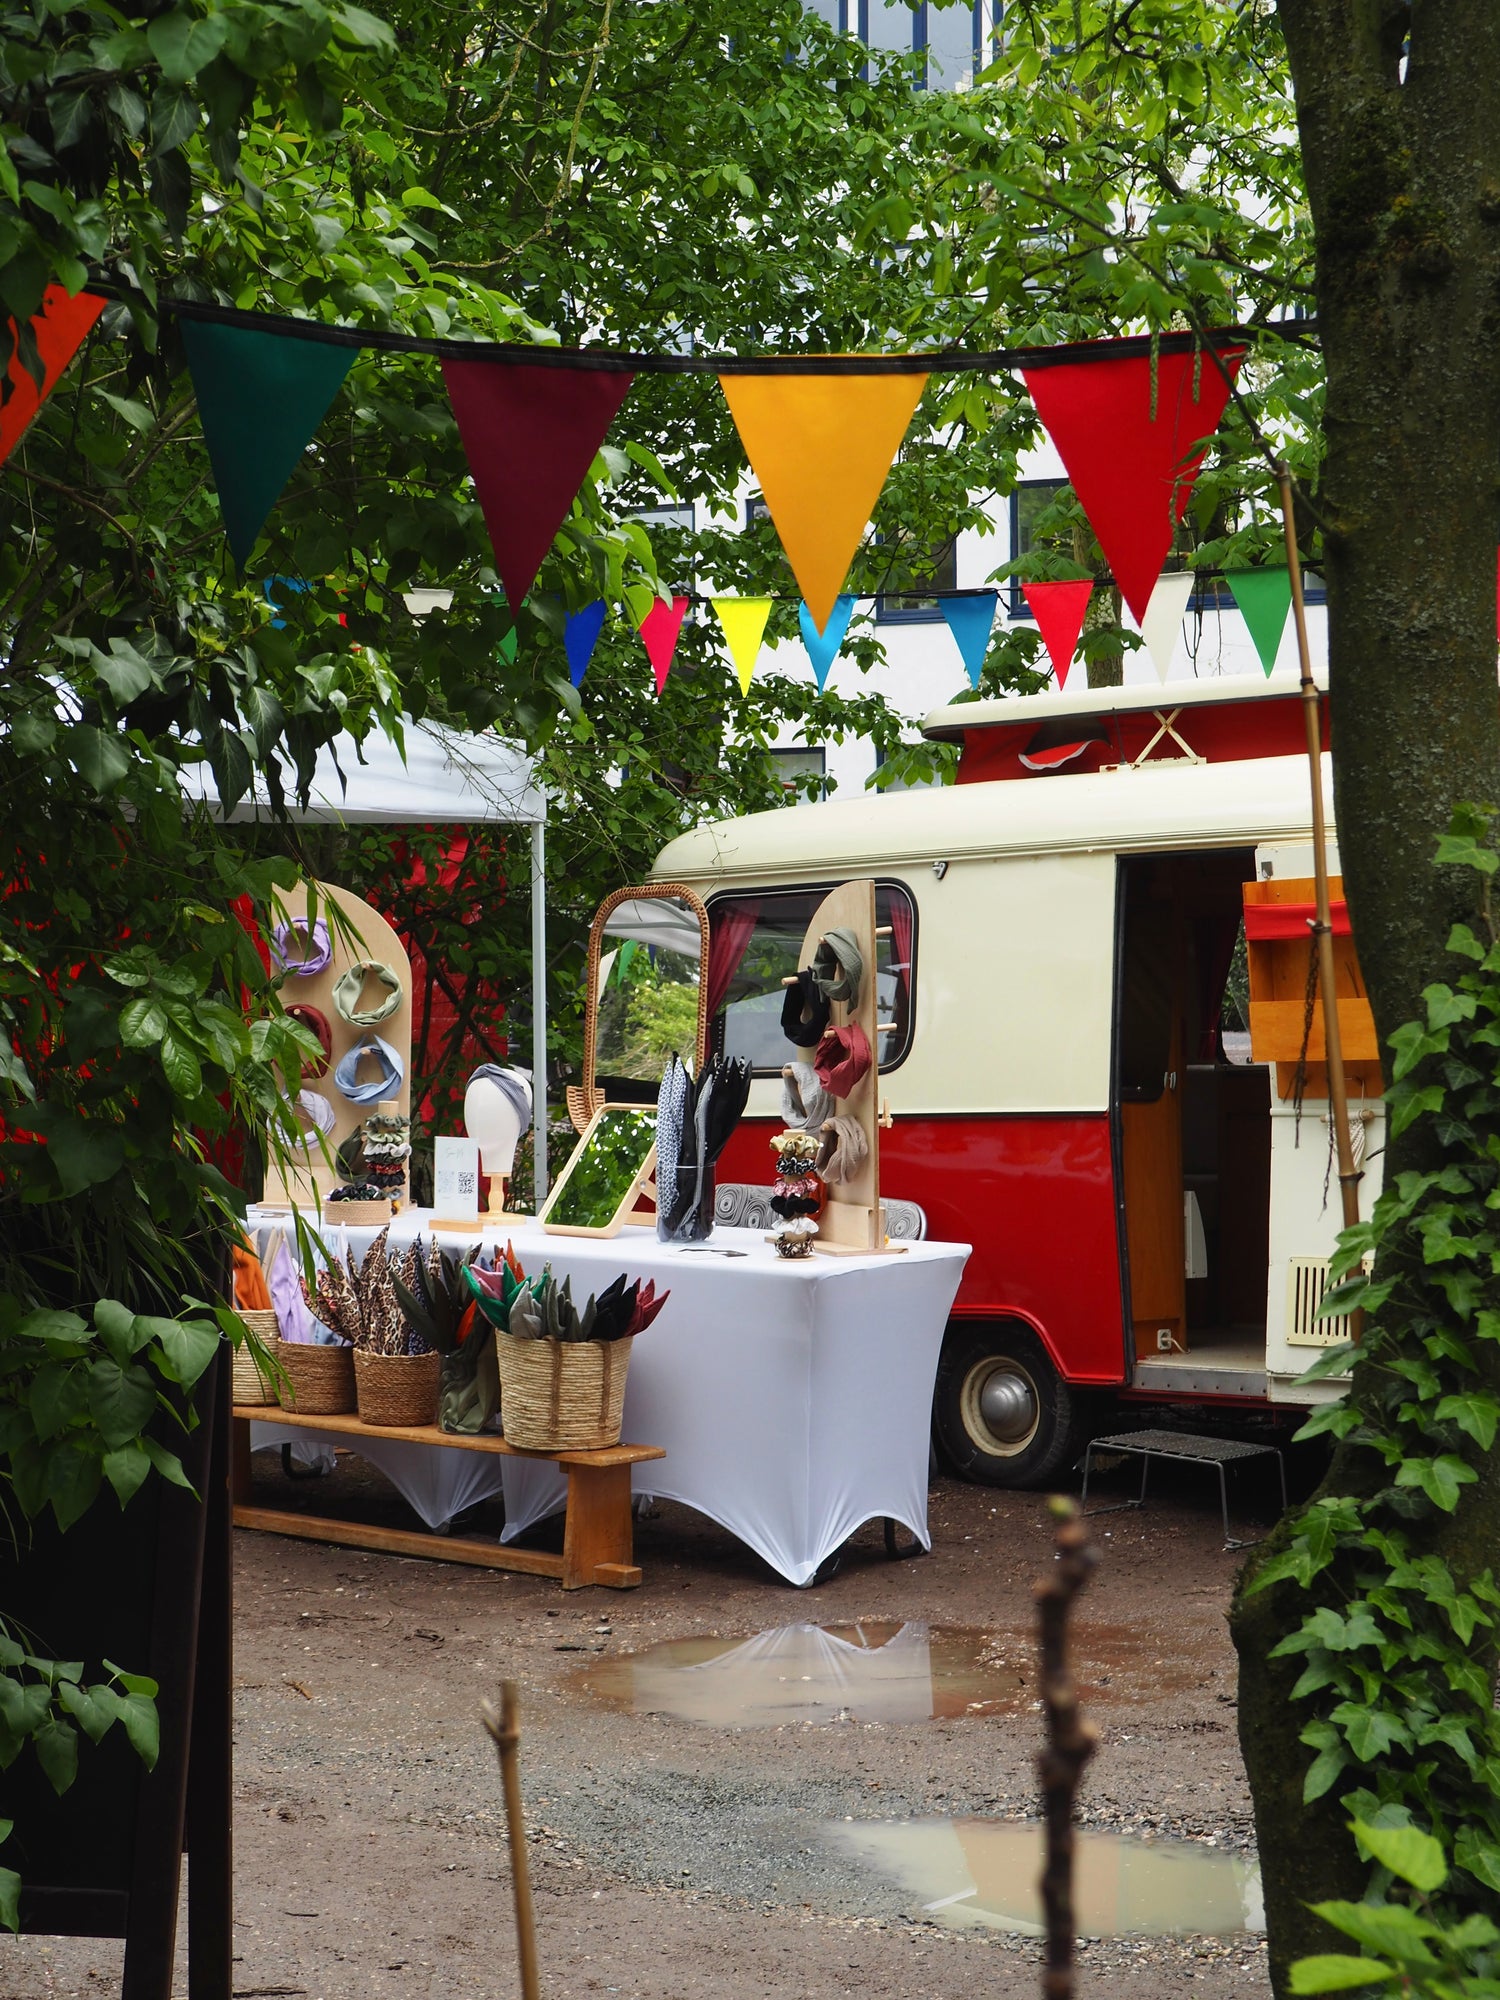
(757, 942)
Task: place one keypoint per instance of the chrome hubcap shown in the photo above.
(1001, 1408)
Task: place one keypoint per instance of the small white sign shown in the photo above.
(455, 1178)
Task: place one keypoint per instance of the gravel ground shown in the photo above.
(671, 1860)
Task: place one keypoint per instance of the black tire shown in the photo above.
(1001, 1413)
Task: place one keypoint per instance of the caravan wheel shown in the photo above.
(1001, 1414)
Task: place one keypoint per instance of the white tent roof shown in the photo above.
(447, 775)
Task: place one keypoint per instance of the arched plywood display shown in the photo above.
(851, 1214)
(355, 931)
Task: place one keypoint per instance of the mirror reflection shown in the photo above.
(650, 969)
(599, 1177)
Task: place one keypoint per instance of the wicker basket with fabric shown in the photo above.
(254, 1382)
(561, 1395)
(319, 1380)
(397, 1390)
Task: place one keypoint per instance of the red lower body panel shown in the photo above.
(1035, 1197)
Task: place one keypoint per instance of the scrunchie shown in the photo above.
(804, 1102)
(316, 1108)
(393, 1070)
(352, 983)
(838, 967)
(316, 1023)
(843, 1058)
(316, 954)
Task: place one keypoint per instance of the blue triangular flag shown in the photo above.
(970, 620)
(580, 636)
(823, 647)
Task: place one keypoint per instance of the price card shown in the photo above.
(455, 1179)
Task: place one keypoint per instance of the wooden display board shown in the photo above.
(1278, 989)
(851, 1215)
(355, 931)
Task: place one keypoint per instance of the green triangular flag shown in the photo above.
(261, 396)
(1264, 597)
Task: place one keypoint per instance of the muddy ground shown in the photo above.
(669, 1859)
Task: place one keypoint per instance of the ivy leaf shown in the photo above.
(1477, 1414)
(1369, 1731)
(1336, 1972)
(1439, 1478)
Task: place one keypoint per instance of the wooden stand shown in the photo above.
(850, 1225)
(597, 1543)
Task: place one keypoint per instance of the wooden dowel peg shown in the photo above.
(887, 1027)
(791, 979)
(882, 930)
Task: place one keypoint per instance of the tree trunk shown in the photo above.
(1403, 180)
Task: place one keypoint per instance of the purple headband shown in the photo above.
(316, 954)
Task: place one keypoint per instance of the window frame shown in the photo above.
(817, 891)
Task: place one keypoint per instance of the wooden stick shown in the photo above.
(505, 1730)
(1322, 925)
(1070, 1742)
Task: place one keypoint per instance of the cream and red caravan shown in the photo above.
(1150, 1210)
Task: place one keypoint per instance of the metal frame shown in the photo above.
(1217, 1452)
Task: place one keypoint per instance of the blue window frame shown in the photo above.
(956, 40)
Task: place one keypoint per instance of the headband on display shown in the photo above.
(316, 1023)
(512, 1087)
(804, 1012)
(387, 1084)
(316, 1109)
(351, 984)
(842, 1150)
(843, 1058)
(838, 966)
(804, 1101)
(314, 953)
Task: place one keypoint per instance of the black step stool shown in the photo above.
(1184, 1449)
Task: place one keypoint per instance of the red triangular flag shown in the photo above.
(59, 328)
(1059, 610)
(530, 434)
(1132, 450)
(659, 630)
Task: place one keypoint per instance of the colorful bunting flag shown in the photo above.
(1128, 432)
(659, 629)
(1059, 610)
(1264, 597)
(970, 620)
(821, 446)
(261, 396)
(530, 434)
(59, 328)
(1161, 627)
(823, 646)
(581, 631)
(744, 623)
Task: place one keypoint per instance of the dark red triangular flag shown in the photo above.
(530, 434)
(1132, 450)
(1059, 610)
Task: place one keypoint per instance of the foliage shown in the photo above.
(1401, 1937)
(1399, 1639)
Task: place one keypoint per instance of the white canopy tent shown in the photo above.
(438, 776)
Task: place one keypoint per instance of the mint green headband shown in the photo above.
(351, 984)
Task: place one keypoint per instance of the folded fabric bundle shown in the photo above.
(804, 1101)
(300, 949)
(839, 966)
(349, 991)
(250, 1289)
(614, 1309)
(694, 1118)
(387, 1084)
(843, 1058)
(842, 1149)
(804, 1011)
(647, 1306)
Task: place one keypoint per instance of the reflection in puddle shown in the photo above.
(877, 1671)
(974, 1872)
(870, 1672)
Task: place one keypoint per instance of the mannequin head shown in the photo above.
(491, 1118)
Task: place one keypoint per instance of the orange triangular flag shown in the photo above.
(59, 328)
(821, 446)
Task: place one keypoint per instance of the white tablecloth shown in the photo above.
(793, 1399)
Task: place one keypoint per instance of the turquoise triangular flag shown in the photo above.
(1264, 597)
(969, 620)
(823, 647)
(580, 636)
(261, 396)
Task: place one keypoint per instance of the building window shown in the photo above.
(756, 510)
(954, 41)
(797, 763)
(763, 934)
(939, 567)
(679, 519)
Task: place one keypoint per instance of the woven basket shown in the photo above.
(561, 1395)
(358, 1214)
(250, 1384)
(320, 1380)
(397, 1389)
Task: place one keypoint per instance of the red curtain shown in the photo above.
(733, 928)
(900, 921)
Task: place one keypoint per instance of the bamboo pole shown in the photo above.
(505, 1730)
(1322, 924)
(1070, 1742)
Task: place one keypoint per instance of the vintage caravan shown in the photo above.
(1149, 1200)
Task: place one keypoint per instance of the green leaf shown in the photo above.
(188, 1345)
(1477, 1414)
(142, 1023)
(1389, 1928)
(1441, 1479)
(72, 1481)
(1335, 1972)
(138, 1714)
(126, 1469)
(56, 1745)
(10, 1898)
(181, 1067)
(1408, 1852)
(121, 1401)
(184, 43)
(100, 759)
(80, 1703)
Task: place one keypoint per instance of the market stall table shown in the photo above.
(792, 1398)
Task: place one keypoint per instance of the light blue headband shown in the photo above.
(393, 1070)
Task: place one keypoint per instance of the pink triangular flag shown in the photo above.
(1059, 610)
(659, 630)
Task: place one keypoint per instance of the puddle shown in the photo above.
(971, 1873)
(873, 1671)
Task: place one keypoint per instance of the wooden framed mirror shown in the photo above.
(646, 997)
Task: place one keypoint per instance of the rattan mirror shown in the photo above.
(646, 996)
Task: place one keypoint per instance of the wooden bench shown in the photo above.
(597, 1545)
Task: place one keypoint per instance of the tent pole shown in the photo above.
(539, 1011)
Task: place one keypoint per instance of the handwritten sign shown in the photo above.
(455, 1180)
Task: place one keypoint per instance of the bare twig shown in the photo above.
(1070, 1742)
(505, 1730)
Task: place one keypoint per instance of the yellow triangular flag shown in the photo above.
(744, 622)
(821, 446)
